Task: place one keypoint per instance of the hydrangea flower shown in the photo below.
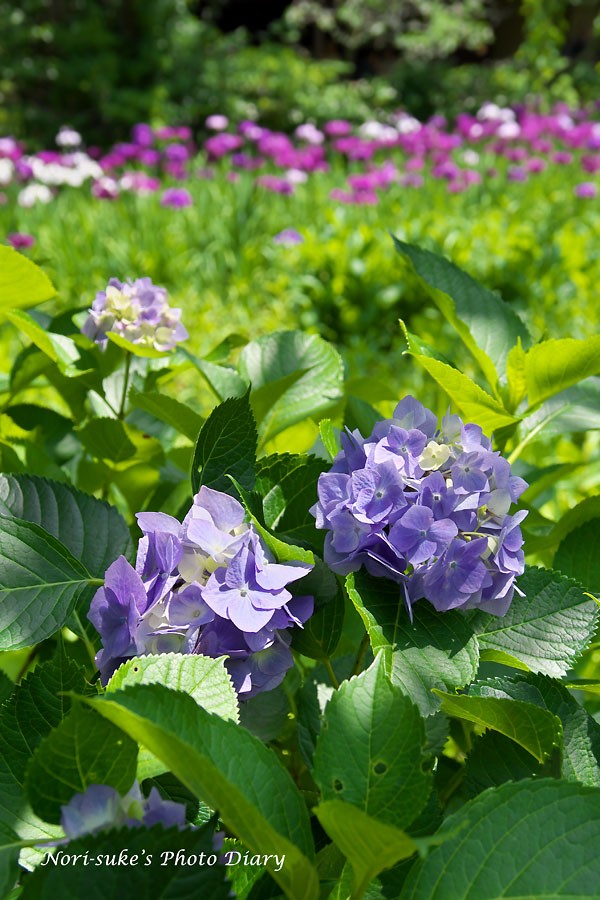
(101, 807)
(206, 585)
(427, 507)
(138, 311)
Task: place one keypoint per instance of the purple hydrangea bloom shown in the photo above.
(138, 311)
(206, 585)
(428, 507)
(101, 807)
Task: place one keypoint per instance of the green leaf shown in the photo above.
(580, 759)
(9, 859)
(475, 404)
(536, 730)
(178, 415)
(226, 446)
(283, 355)
(485, 323)
(579, 515)
(370, 845)
(381, 770)
(534, 839)
(266, 715)
(149, 870)
(288, 485)
(229, 769)
(22, 283)
(496, 759)
(578, 556)
(223, 380)
(201, 677)
(84, 749)
(92, 530)
(554, 365)
(58, 347)
(433, 651)
(546, 630)
(106, 439)
(40, 584)
(36, 706)
(140, 350)
(329, 438)
(320, 635)
(576, 409)
(282, 550)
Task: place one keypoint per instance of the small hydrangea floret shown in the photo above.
(138, 311)
(427, 507)
(206, 585)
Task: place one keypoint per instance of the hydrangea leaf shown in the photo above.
(222, 379)
(153, 876)
(40, 584)
(36, 706)
(229, 769)
(580, 514)
(106, 439)
(536, 730)
(547, 629)
(288, 485)
(369, 845)
(226, 446)
(22, 283)
(580, 760)
(203, 678)
(535, 839)
(10, 847)
(575, 409)
(485, 323)
(84, 749)
(178, 415)
(433, 651)
(554, 365)
(329, 438)
(136, 349)
(475, 404)
(58, 347)
(578, 555)
(271, 359)
(93, 531)
(320, 635)
(381, 770)
(496, 759)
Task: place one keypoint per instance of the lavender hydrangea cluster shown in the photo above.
(138, 311)
(426, 507)
(101, 807)
(208, 585)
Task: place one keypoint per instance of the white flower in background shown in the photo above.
(68, 137)
(8, 145)
(470, 157)
(509, 130)
(309, 133)
(34, 193)
(6, 171)
(296, 176)
(378, 131)
(407, 124)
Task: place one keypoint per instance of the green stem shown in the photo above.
(121, 413)
(332, 676)
(360, 656)
(88, 644)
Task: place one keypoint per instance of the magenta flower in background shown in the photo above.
(176, 198)
(20, 241)
(586, 190)
(337, 128)
(275, 184)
